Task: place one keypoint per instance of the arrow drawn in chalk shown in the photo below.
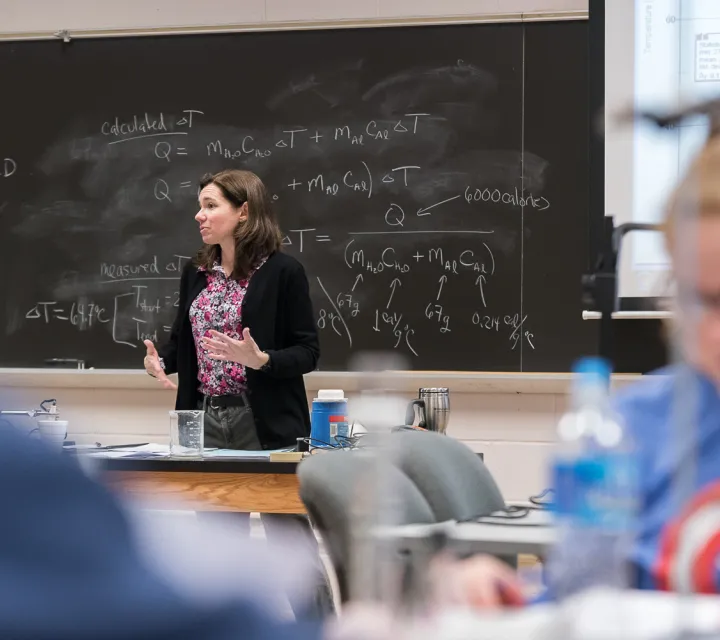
(481, 280)
(426, 210)
(393, 285)
(442, 281)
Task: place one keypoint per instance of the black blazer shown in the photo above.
(278, 311)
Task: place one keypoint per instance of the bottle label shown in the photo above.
(339, 427)
(598, 490)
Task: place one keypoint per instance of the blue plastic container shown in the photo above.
(330, 403)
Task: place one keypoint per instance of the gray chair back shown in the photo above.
(331, 482)
(452, 478)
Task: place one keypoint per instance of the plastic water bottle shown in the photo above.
(596, 489)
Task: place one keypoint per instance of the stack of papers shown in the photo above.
(163, 450)
(235, 453)
(123, 452)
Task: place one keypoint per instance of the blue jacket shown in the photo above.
(70, 570)
(674, 417)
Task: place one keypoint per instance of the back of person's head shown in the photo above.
(697, 196)
(692, 235)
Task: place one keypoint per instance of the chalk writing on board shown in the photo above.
(480, 282)
(435, 312)
(497, 196)
(148, 125)
(301, 238)
(250, 145)
(371, 285)
(514, 324)
(393, 285)
(334, 314)
(292, 133)
(395, 215)
(116, 335)
(142, 333)
(378, 260)
(78, 314)
(441, 283)
(347, 300)
(113, 271)
(246, 147)
(393, 323)
(165, 150)
(361, 184)
(326, 185)
(473, 267)
(120, 272)
(9, 167)
(162, 190)
(426, 211)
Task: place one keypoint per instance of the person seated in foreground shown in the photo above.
(71, 568)
(649, 410)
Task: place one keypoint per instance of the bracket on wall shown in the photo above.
(600, 288)
(64, 34)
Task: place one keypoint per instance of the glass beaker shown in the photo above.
(187, 433)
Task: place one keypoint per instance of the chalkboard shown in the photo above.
(432, 180)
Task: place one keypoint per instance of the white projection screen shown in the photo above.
(659, 55)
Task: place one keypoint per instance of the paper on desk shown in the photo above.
(110, 454)
(80, 447)
(235, 453)
(151, 449)
(164, 450)
(241, 453)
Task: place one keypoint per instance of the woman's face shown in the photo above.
(698, 279)
(218, 217)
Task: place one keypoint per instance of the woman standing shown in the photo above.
(244, 334)
(241, 299)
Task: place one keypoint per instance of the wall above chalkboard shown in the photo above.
(432, 180)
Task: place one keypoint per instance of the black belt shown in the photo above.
(220, 402)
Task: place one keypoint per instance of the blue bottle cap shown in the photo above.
(592, 369)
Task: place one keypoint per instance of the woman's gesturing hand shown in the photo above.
(245, 351)
(153, 367)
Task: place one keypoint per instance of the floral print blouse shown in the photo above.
(219, 307)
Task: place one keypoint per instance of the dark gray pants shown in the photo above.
(230, 428)
(234, 428)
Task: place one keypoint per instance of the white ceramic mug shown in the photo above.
(53, 432)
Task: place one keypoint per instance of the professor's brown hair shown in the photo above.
(256, 237)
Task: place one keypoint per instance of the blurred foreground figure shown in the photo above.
(76, 563)
(673, 414)
(71, 567)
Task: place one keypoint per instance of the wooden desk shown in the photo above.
(221, 485)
